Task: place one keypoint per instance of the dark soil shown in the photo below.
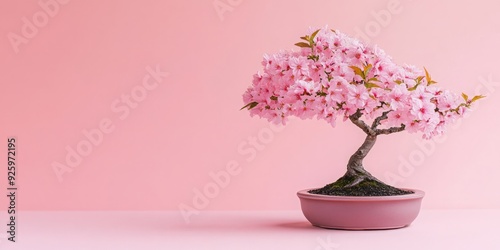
(364, 188)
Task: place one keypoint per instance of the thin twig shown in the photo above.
(390, 130)
(377, 120)
(355, 118)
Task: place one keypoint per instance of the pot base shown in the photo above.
(359, 229)
(360, 213)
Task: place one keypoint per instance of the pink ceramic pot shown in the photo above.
(360, 213)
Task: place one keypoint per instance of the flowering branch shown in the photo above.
(373, 131)
(333, 74)
(390, 130)
(360, 123)
(377, 120)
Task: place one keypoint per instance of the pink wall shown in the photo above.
(87, 65)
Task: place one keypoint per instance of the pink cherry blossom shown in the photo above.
(338, 75)
(357, 95)
(299, 66)
(398, 97)
(422, 110)
(398, 117)
(421, 94)
(305, 86)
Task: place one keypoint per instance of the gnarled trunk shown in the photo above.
(355, 165)
(357, 181)
(355, 169)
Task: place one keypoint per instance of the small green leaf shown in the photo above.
(414, 87)
(466, 97)
(371, 85)
(274, 98)
(250, 105)
(303, 45)
(313, 35)
(398, 82)
(427, 75)
(313, 57)
(306, 38)
(358, 71)
(373, 79)
(368, 67)
(428, 78)
(321, 93)
(419, 79)
(477, 97)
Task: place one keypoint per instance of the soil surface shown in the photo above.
(364, 188)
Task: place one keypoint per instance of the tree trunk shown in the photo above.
(355, 169)
(357, 181)
(356, 173)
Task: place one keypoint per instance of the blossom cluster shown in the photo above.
(334, 75)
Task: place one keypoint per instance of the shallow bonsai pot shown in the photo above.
(360, 213)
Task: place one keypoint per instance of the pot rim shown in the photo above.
(418, 194)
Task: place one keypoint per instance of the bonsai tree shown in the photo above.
(334, 75)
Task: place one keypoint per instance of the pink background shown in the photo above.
(83, 59)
